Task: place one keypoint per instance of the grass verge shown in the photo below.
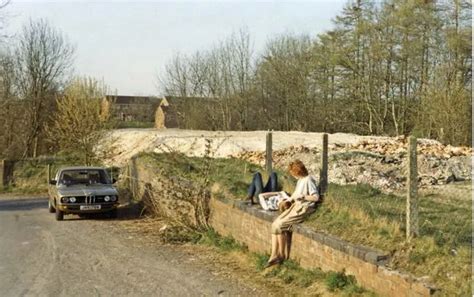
(290, 272)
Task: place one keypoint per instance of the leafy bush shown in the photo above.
(339, 281)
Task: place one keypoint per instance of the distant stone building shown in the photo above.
(184, 113)
(165, 112)
(131, 108)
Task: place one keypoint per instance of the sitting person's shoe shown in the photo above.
(274, 262)
(250, 201)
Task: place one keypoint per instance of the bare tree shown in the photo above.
(225, 72)
(175, 80)
(12, 118)
(43, 58)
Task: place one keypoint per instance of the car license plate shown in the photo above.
(90, 207)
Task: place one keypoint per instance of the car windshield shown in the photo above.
(88, 177)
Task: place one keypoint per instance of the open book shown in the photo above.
(271, 203)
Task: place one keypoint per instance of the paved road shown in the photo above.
(85, 257)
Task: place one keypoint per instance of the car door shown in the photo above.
(52, 189)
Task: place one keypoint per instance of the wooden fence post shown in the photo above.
(3, 178)
(268, 155)
(6, 172)
(49, 172)
(134, 178)
(323, 174)
(412, 187)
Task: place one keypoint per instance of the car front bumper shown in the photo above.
(76, 208)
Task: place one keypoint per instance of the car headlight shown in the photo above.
(72, 199)
(113, 198)
(65, 200)
(107, 198)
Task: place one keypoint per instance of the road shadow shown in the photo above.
(23, 204)
(129, 211)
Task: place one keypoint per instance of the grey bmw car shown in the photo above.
(82, 190)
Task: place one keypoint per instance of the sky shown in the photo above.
(128, 43)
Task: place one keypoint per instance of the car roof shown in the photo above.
(81, 168)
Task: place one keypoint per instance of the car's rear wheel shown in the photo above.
(51, 207)
(59, 214)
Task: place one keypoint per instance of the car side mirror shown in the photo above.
(52, 182)
(114, 180)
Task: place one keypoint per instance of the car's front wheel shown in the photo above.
(59, 214)
(50, 206)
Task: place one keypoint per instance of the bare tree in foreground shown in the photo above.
(43, 58)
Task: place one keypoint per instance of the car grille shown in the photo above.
(90, 199)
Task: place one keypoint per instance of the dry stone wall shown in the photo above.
(165, 195)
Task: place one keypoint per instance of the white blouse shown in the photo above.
(305, 186)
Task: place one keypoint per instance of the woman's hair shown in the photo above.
(297, 168)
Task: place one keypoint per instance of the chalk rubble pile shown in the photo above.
(379, 163)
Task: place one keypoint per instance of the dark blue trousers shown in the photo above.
(256, 187)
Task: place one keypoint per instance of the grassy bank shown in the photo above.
(289, 273)
(29, 177)
(229, 177)
(363, 215)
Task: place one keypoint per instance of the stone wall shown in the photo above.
(251, 226)
(134, 112)
(167, 195)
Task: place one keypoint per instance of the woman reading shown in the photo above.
(304, 200)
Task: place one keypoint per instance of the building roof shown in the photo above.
(120, 99)
(175, 100)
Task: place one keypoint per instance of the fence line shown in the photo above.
(412, 188)
(268, 154)
(323, 174)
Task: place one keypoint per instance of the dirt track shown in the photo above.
(85, 257)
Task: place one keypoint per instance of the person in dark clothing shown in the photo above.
(256, 187)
